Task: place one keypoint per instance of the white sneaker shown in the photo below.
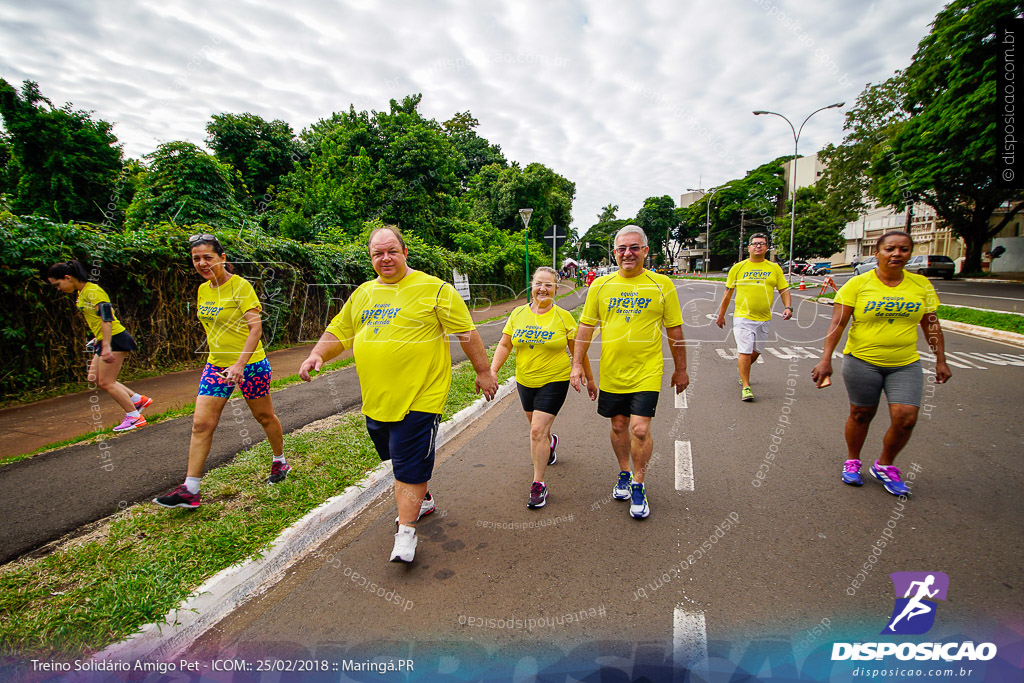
(405, 544)
(426, 507)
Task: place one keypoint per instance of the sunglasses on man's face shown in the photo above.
(201, 238)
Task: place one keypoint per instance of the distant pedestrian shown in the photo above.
(591, 276)
(542, 335)
(396, 326)
(229, 310)
(886, 305)
(754, 280)
(110, 341)
(633, 307)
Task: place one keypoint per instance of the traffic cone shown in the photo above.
(802, 286)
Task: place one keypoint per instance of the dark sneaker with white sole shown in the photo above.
(179, 498)
(552, 458)
(278, 472)
(538, 495)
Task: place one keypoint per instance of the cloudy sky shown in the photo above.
(628, 100)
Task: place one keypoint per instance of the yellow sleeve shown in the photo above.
(569, 322)
(673, 316)
(591, 316)
(452, 311)
(342, 325)
(509, 328)
(730, 279)
(847, 294)
(247, 299)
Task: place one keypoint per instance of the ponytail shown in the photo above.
(73, 268)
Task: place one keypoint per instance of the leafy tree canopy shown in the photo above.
(261, 151)
(64, 162)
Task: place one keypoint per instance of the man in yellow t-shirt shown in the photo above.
(632, 306)
(396, 327)
(754, 281)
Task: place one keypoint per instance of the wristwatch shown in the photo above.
(788, 308)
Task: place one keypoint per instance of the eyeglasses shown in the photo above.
(758, 244)
(201, 238)
(634, 249)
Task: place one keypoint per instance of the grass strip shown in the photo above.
(1009, 322)
(146, 560)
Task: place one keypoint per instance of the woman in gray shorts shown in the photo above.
(886, 305)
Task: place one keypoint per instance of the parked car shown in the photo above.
(932, 264)
(864, 266)
(799, 267)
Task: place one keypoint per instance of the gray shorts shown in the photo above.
(865, 382)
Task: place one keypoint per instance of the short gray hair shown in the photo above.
(545, 269)
(632, 228)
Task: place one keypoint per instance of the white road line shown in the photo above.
(684, 466)
(681, 400)
(689, 640)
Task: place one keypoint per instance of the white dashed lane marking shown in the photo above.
(689, 640)
(681, 400)
(684, 466)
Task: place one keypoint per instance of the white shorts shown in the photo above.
(750, 335)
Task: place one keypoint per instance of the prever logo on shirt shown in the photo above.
(531, 334)
(628, 304)
(379, 316)
(892, 307)
(758, 275)
(208, 312)
(914, 613)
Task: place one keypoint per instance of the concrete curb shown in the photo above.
(231, 587)
(988, 333)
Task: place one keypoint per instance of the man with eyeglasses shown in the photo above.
(632, 306)
(754, 281)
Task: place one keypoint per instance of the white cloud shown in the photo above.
(628, 100)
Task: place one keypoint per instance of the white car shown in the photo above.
(865, 266)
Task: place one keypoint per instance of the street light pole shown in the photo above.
(525, 215)
(707, 222)
(796, 143)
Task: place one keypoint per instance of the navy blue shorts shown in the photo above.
(641, 403)
(122, 341)
(408, 444)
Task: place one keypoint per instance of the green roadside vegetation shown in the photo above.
(1008, 322)
(144, 561)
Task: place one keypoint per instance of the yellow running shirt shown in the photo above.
(221, 310)
(397, 333)
(632, 313)
(885, 319)
(91, 296)
(754, 283)
(541, 345)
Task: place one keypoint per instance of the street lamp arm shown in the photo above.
(831, 106)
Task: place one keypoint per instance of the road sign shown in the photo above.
(461, 284)
(553, 234)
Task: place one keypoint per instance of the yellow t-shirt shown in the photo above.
(885, 319)
(632, 313)
(754, 283)
(91, 296)
(397, 333)
(541, 345)
(221, 310)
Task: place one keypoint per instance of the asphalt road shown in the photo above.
(56, 493)
(731, 570)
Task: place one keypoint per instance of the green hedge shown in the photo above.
(150, 279)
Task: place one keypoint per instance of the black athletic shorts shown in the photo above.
(408, 444)
(641, 403)
(547, 399)
(122, 341)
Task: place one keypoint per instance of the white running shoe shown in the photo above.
(405, 544)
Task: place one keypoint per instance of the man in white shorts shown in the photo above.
(754, 281)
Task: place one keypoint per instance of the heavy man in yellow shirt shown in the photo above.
(754, 280)
(396, 326)
(632, 306)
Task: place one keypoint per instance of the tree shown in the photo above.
(496, 195)
(657, 218)
(261, 151)
(183, 184)
(819, 231)
(477, 151)
(930, 130)
(607, 213)
(66, 163)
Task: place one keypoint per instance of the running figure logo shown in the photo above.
(914, 613)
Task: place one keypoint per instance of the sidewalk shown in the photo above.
(26, 428)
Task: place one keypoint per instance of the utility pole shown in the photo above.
(743, 212)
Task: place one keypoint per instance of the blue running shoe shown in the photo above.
(621, 490)
(851, 473)
(890, 477)
(638, 508)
